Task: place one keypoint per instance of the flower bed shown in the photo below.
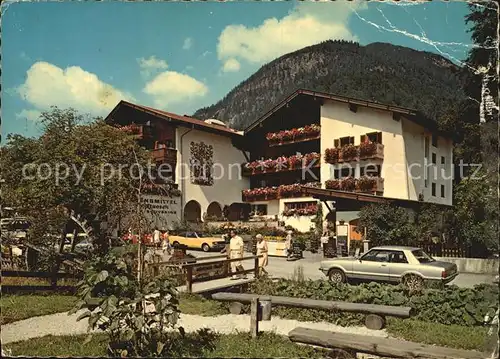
(282, 163)
(295, 134)
(270, 193)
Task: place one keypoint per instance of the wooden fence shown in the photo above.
(446, 250)
(50, 278)
(204, 269)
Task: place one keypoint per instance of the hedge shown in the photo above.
(451, 305)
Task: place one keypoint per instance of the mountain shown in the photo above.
(378, 72)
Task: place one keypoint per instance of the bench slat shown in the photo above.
(387, 347)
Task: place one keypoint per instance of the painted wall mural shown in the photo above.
(201, 164)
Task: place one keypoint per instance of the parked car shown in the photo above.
(198, 240)
(83, 244)
(409, 265)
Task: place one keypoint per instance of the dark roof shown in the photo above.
(332, 195)
(182, 120)
(412, 114)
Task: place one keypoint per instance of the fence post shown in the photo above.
(256, 267)
(189, 279)
(254, 317)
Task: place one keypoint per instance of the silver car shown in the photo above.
(409, 265)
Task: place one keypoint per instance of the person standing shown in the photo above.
(156, 237)
(165, 244)
(236, 251)
(288, 244)
(262, 250)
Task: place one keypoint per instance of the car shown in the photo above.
(83, 244)
(197, 240)
(396, 264)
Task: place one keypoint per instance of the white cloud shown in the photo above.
(231, 65)
(173, 87)
(47, 85)
(152, 63)
(188, 42)
(30, 115)
(306, 24)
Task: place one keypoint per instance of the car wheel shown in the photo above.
(413, 282)
(205, 247)
(175, 244)
(336, 276)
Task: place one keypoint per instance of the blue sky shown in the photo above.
(185, 55)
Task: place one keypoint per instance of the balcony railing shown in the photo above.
(162, 155)
(139, 131)
(282, 164)
(349, 153)
(365, 184)
(270, 193)
(307, 133)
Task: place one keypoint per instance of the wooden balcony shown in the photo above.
(371, 151)
(164, 155)
(373, 185)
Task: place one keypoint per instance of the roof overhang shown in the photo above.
(411, 114)
(174, 118)
(360, 199)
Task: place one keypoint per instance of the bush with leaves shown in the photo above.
(138, 317)
(451, 305)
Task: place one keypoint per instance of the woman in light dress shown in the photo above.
(262, 250)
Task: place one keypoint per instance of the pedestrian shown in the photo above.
(262, 250)
(165, 244)
(236, 251)
(288, 244)
(156, 237)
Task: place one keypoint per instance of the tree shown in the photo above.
(387, 224)
(78, 164)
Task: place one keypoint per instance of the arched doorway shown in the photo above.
(214, 211)
(192, 212)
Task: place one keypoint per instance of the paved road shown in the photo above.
(281, 268)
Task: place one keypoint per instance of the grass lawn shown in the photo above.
(454, 336)
(240, 345)
(198, 305)
(19, 307)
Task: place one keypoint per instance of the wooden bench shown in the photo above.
(351, 344)
(375, 313)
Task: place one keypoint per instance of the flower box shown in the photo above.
(270, 193)
(333, 184)
(332, 155)
(367, 184)
(348, 184)
(348, 153)
(371, 150)
(295, 134)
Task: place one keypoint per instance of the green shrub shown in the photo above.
(451, 305)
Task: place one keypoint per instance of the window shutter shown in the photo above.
(363, 138)
(351, 140)
(336, 143)
(379, 137)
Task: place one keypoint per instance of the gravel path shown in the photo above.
(64, 324)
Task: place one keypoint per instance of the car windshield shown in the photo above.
(421, 256)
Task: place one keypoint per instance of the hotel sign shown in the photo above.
(162, 211)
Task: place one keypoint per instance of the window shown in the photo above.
(426, 147)
(434, 159)
(442, 190)
(300, 205)
(258, 210)
(397, 257)
(372, 137)
(346, 141)
(421, 256)
(370, 170)
(434, 189)
(376, 256)
(443, 162)
(434, 141)
(344, 172)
